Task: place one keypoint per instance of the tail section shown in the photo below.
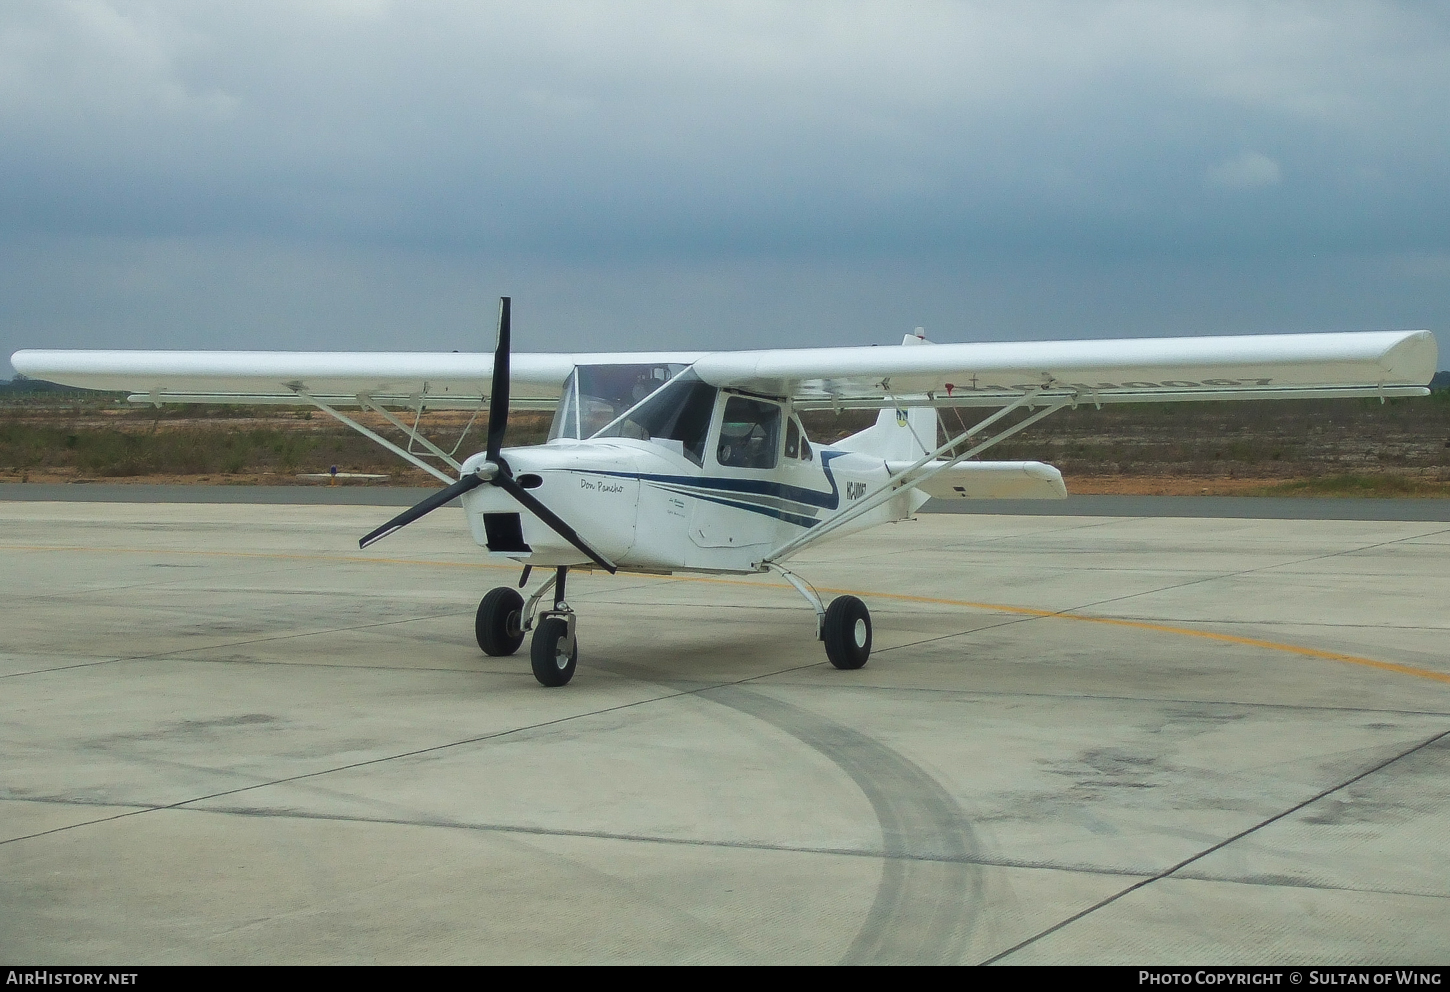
(899, 435)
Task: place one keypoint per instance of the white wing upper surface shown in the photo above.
(1123, 370)
(443, 378)
(1385, 363)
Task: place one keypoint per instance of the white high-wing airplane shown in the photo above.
(697, 462)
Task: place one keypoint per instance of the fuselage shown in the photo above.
(646, 506)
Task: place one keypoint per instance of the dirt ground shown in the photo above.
(403, 477)
(1312, 448)
(1174, 485)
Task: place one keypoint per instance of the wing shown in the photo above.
(1370, 363)
(441, 380)
(1269, 366)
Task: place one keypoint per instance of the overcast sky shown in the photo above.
(373, 175)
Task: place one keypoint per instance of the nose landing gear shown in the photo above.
(554, 652)
(504, 618)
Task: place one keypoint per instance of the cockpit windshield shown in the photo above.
(594, 395)
(677, 416)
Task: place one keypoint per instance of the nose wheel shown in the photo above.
(504, 619)
(554, 651)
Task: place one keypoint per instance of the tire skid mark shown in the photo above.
(924, 910)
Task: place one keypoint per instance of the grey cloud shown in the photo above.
(726, 124)
(1248, 170)
(186, 293)
(569, 145)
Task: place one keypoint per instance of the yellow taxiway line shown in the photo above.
(1254, 642)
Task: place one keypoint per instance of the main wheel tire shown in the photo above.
(499, 624)
(551, 667)
(847, 632)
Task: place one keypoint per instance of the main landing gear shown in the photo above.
(846, 629)
(503, 619)
(844, 626)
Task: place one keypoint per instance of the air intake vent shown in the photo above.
(505, 532)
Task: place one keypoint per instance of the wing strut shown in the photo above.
(414, 437)
(374, 436)
(924, 468)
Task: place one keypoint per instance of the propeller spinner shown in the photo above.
(495, 471)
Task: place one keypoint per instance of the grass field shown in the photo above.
(1318, 448)
(1358, 485)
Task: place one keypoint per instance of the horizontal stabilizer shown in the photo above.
(995, 480)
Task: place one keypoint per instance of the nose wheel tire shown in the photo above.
(499, 624)
(552, 665)
(847, 632)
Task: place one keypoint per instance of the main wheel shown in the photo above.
(499, 624)
(847, 632)
(551, 666)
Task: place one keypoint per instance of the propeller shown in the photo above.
(495, 471)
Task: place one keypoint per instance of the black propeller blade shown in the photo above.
(498, 416)
(518, 492)
(430, 504)
(498, 400)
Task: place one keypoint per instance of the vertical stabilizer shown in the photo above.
(899, 435)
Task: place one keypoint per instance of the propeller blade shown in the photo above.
(498, 416)
(518, 492)
(498, 398)
(428, 505)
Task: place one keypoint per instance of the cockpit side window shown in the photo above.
(749, 434)
(678, 411)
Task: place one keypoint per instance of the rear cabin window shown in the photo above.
(796, 445)
(749, 434)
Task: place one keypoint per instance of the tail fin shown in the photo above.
(899, 435)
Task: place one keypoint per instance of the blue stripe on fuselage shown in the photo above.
(790, 518)
(761, 487)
